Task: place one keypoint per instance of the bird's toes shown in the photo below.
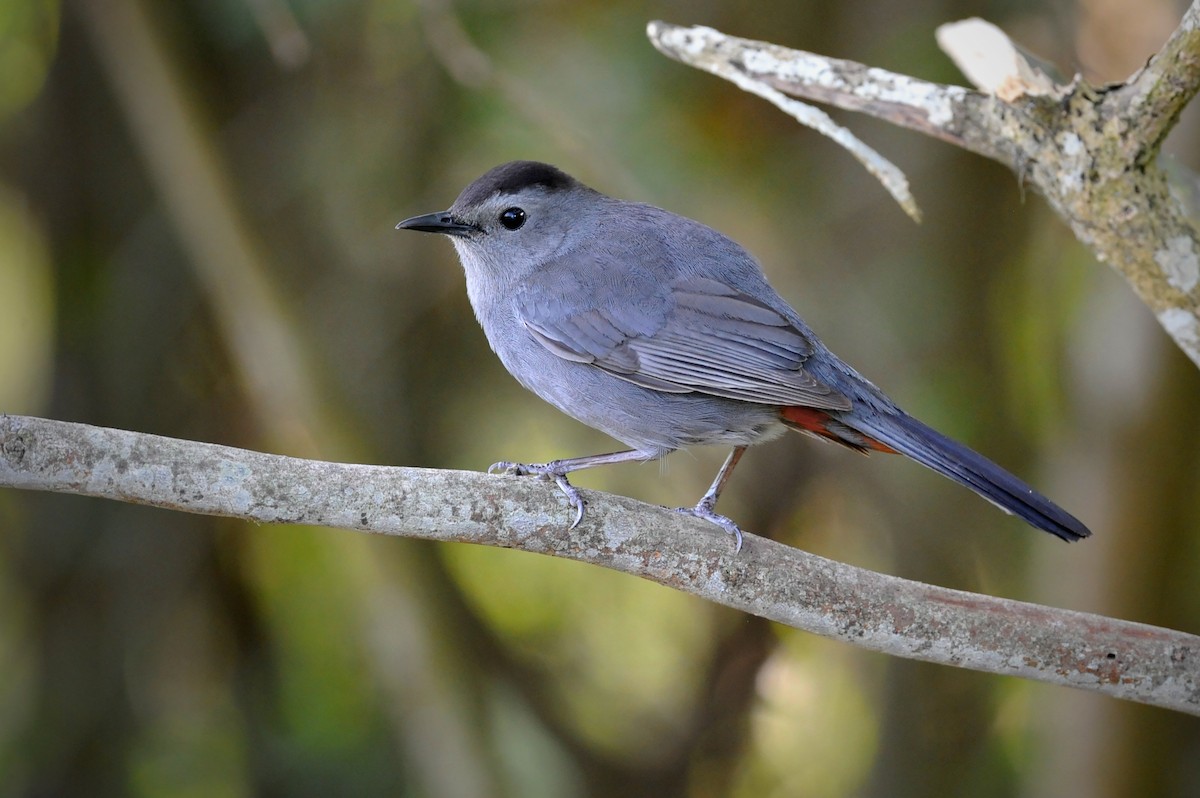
(549, 472)
(706, 513)
(513, 469)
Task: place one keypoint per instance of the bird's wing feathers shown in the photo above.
(694, 335)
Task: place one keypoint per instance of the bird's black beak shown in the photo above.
(443, 222)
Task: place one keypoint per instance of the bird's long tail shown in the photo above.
(905, 435)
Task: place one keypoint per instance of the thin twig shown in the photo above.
(749, 68)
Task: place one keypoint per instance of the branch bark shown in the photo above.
(1092, 152)
(883, 613)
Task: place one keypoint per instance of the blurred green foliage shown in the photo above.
(28, 39)
(196, 212)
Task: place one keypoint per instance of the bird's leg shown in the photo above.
(704, 508)
(557, 470)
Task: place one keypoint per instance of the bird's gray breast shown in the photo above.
(565, 334)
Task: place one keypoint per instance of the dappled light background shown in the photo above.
(197, 202)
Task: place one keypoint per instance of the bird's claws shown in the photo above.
(573, 496)
(705, 512)
(550, 473)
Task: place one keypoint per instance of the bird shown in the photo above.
(665, 334)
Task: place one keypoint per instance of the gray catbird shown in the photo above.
(664, 334)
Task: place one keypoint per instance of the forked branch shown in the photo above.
(1091, 151)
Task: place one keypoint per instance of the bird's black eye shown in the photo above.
(512, 218)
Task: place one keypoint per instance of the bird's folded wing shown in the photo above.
(700, 335)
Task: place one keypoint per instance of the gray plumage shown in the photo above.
(663, 333)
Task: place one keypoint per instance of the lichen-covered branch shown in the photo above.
(1091, 151)
(1158, 93)
(879, 612)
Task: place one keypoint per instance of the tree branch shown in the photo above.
(878, 612)
(1157, 94)
(1092, 152)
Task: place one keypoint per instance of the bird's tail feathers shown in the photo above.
(905, 435)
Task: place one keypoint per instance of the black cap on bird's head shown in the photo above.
(512, 177)
(508, 178)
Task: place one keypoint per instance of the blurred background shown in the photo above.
(197, 202)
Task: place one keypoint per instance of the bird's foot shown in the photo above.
(704, 510)
(551, 472)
